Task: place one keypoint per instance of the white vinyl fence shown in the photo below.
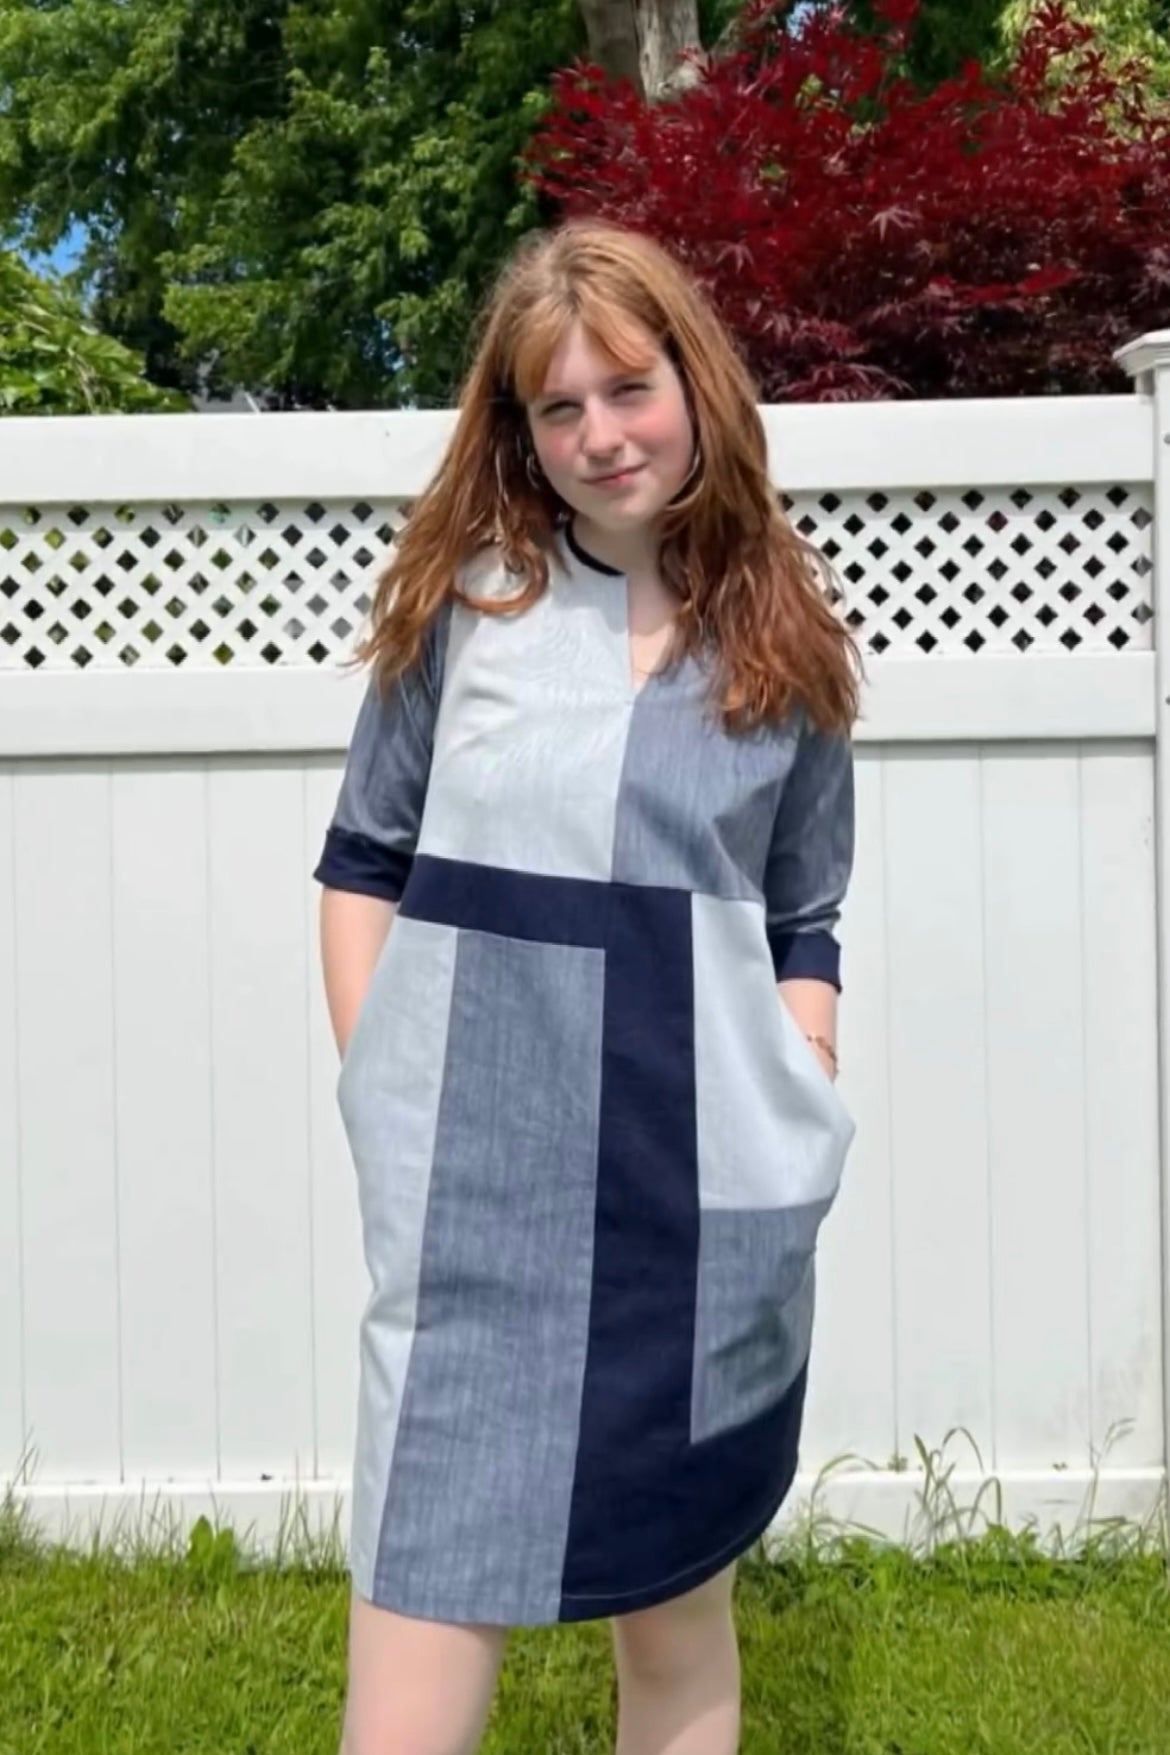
(180, 1271)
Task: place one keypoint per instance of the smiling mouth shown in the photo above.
(616, 474)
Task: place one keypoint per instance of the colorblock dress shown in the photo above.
(593, 1148)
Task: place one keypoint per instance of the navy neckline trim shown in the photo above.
(588, 560)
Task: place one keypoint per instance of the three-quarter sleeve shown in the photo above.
(811, 857)
(370, 841)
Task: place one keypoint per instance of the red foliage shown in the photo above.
(996, 236)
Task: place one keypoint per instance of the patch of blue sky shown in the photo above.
(64, 255)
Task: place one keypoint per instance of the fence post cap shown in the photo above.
(1144, 354)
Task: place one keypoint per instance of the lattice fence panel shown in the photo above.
(255, 585)
(197, 586)
(991, 569)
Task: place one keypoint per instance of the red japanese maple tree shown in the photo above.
(999, 235)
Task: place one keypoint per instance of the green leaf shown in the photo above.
(52, 360)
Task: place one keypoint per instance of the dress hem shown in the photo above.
(577, 1608)
(583, 1608)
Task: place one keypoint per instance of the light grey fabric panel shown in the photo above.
(754, 1312)
(530, 738)
(696, 806)
(772, 1129)
(388, 1092)
(477, 1514)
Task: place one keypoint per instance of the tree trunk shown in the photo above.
(641, 40)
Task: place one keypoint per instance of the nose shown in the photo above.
(601, 431)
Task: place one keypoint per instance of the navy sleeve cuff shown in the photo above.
(357, 863)
(806, 955)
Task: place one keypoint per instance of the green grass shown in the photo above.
(983, 1646)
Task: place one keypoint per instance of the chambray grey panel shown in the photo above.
(772, 1129)
(811, 853)
(754, 1311)
(529, 740)
(476, 1517)
(389, 757)
(388, 1092)
(696, 805)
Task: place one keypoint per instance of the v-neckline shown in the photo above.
(634, 688)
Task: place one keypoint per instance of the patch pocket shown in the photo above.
(754, 1311)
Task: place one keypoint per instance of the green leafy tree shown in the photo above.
(300, 196)
(946, 34)
(54, 362)
(1126, 28)
(306, 198)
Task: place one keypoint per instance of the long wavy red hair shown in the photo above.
(752, 593)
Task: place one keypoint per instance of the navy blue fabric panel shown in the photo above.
(636, 1396)
(356, 862)
(814, 954)
(645, 1495)
(680, 1511)
(518, 904)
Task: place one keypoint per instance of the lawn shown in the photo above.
(982, 1647)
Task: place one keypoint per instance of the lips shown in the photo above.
(616, 475)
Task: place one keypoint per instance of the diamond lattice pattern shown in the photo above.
(255, 585)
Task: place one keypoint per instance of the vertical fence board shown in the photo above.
(851, 1404)
(934, 908)
(1036, 1105)
(69, 1150)
(1121, 1072)
(12, 1387)
(164, 1122)
(339, 1270)
(259, 1084)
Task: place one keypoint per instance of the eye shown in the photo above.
(632, 387)
(554, 410)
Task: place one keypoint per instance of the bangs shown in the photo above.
(615, 332)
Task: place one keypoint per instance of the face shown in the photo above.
(616, 444)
